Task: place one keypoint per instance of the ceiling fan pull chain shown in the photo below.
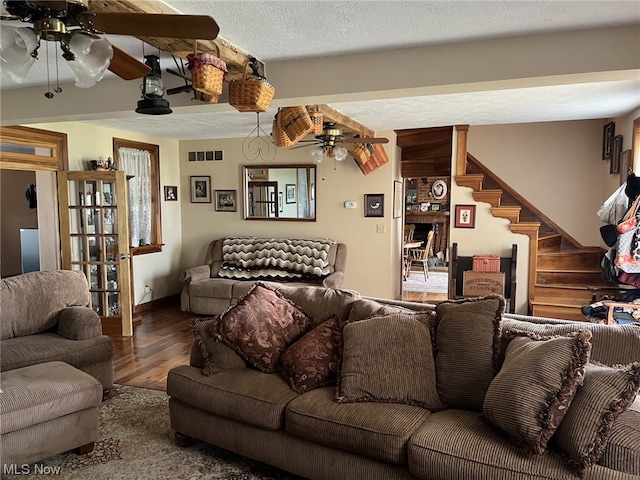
(58, 89)
(48, 93)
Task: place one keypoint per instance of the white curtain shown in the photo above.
(138, 163)
(303, 194)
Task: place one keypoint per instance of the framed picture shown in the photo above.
(625, 165)
(272, 203)
(616, 151)
(607, 138)
(226, 200)
(374, 205)
(290, 190)
(171, 193)
(465, 216)
(435, 207)
(280, 202)
(397, 199)
(200, 189)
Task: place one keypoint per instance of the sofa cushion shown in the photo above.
(376, 430)
(217, 356)
(246, 395)
(623, 448)
(530, 395)
(212, 287)
(467, 335)
(312, 361)
(460, 444)
(606, 393)
(320, 303)
(78, 323)
(389, 359)
(260, 327)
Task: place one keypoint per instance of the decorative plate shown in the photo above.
(439, 189)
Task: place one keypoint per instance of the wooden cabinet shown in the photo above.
(94, 230)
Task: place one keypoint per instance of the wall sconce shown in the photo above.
(152, 88)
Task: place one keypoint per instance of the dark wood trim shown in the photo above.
(54, 141)
(157, 304)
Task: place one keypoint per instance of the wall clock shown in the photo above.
(439, 189)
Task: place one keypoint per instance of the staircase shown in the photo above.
(563, 275)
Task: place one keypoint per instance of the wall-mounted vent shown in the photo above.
(205, 156)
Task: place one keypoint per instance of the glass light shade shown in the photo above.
(93, 56)
(317, 154)
(340, 153)
(152, 86)
(16, 45)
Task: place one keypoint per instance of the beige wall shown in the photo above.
(373, 266)
(159, 270)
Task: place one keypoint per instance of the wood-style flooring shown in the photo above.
(163, 340)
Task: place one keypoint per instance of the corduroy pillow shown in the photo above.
(217, 356)
(260, 326)
(606, 393)
(388, 359)
(539, 377)
(312, 361)
(467, 336)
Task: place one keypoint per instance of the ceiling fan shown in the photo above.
(76, 28)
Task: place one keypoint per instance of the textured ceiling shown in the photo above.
(286, 30)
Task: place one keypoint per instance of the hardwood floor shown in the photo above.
(163, 340)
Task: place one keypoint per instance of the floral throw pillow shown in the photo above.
(312, 362)
(260, 327)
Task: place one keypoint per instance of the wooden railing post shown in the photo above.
(461, 149)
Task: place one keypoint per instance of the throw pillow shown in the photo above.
(606, 393)
(389, 359)
(216, 356)
(260, 326)
(467, 335)
(312, 361)
(530, 395)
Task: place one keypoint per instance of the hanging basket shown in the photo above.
(318, 122)
(296, 122)
(207, 74)
(280, 138)
(360, 153)
(377, 159)
(251, 94)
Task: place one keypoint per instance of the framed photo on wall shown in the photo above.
(616, 151)
(226, 200)
(607, 138)
(625, 164)
(374, 205)
(200, 189)
(290, 190)
(171, 193)
(465, 216)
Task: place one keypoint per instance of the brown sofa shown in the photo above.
(311, 434)
(205, 292)
(45, 317)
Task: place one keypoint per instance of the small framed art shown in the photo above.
(291, 192)
(608, 133)
(616, 151)
(374, 205)
(226, 200)
(625, 165)
(201, 189)
(465, 216)
(170, 193)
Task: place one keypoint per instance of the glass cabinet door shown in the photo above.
(94, 231)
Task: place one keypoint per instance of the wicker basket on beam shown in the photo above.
(251, 94)
(207, 74)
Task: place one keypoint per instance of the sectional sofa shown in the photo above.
(326, 384)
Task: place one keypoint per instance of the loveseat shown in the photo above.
(457, 391)
(45, 317)
(233, 264)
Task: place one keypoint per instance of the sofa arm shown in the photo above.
(334, 280)
(78, 323)
(196, 273)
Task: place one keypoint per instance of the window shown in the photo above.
(141, 162)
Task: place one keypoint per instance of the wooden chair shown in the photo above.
(421, 255)
(409, 230)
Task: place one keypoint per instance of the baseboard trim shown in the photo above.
(163, 302)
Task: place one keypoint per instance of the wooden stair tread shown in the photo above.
(557, 302)
(566, 251)
(569, 270)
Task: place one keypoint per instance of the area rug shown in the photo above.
(438, 282)
(136, 442)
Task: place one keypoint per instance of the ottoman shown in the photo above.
(46, 409)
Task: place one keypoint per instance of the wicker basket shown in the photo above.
(296, 122)
(207, 74)
(251, 94)
(360, 153)
(318, 122)
(378, 158)
(280, 138)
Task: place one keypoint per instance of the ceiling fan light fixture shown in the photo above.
(16, 45)
(92, 58)
(152, 87)
(340, 153)
(317, 154)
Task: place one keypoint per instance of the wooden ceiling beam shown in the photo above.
(233, 56)
(348, 124)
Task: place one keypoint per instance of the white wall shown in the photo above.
(159, 270)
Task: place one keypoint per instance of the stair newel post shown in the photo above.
(461, 149)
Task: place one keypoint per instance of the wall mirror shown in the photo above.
(279, 192)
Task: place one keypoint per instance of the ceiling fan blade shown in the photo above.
(54, 5)
(201, 27)
(127, 67)
(363, 140)
(299, 146)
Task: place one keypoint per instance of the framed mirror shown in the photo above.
(279, 192)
